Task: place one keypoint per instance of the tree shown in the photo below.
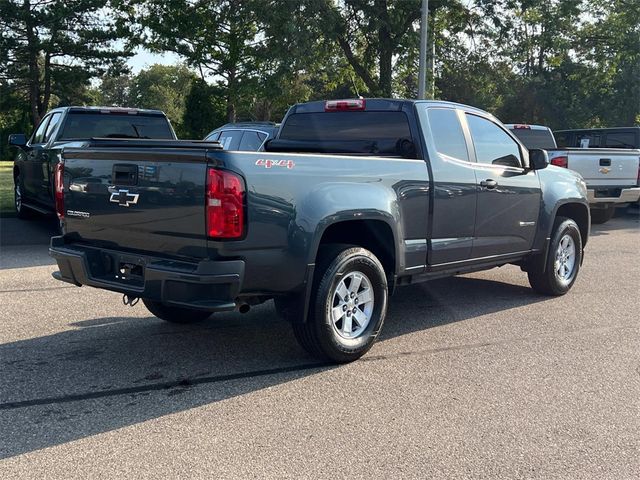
(14, 117)
(218, 39)
(163, 87)
(610, 46)
(44, 45)
(205, 109)
(369, 35)
(114, 90)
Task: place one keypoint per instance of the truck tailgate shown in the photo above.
(605, 167)
(143, 200)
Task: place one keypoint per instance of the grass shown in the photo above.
(6, 187)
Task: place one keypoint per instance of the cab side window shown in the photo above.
(251, 141)
(38, 137)
(493, 145)
(53, 123)
(447, 133)
(230, 139)
(620, 140)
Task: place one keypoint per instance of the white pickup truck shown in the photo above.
(612, 175)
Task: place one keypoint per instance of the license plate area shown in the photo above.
(607, 192)
(117, 268)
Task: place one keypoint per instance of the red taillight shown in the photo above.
(225, 204)
(560, 162)
(522, 127)
(59, 189)
(344, 105)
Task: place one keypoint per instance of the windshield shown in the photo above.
(109, 125)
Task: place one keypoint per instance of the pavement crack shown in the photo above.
(182, 383)
(43, 289)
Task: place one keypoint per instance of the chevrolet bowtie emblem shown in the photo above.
(605, 170)
(124, 198)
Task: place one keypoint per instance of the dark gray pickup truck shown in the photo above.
(36, 158)
(352, 199)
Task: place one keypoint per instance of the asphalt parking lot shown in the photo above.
(474, 377)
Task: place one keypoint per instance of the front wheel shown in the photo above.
(175, 314)
(563, 260)
(348, 305)
(22, 212)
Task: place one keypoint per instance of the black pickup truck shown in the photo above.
(351, 200)
(37, 157)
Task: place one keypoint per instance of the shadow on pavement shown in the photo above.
(625, 219)
(36, 231)
(24, 243)
(108, 373)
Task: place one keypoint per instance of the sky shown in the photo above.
(144, 58)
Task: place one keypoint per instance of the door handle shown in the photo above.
(489, 184)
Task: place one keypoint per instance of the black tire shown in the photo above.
(547, 280)
(602, 215)
(22, 212)
(318, 335)
(175, 314)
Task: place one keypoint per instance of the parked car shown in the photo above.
(244, 136)
(617, 137)
(403, 192)
(612, 174)
(36, 158)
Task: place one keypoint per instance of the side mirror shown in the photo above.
(538, 159)
(18, 139)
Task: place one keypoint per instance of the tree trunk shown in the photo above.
(34, 70)
(231, 96)
(386, 49)
(44, 106)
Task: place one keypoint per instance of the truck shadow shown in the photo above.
(107, 373)
(24, 243)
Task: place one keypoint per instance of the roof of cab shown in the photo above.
(526, 126)
(99, 109)
(381, 104)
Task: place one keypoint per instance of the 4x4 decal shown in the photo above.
(267, 163)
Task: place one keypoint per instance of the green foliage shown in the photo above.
(564, 63)
(114, 90)
(163, 87)
(54, 48)
(6, 188)
(14, 118)
(204, 110)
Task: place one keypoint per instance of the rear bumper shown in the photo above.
(206, 285)
(597, 195)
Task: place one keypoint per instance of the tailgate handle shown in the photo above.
(605, 162)
(124, 174)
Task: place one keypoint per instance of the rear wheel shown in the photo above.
(175, 314)
(602, 215)
(348, 305)
(563, 260)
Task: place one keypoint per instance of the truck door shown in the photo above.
(33, 177)
(43, 161)
(454, 184)
(508, 195)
